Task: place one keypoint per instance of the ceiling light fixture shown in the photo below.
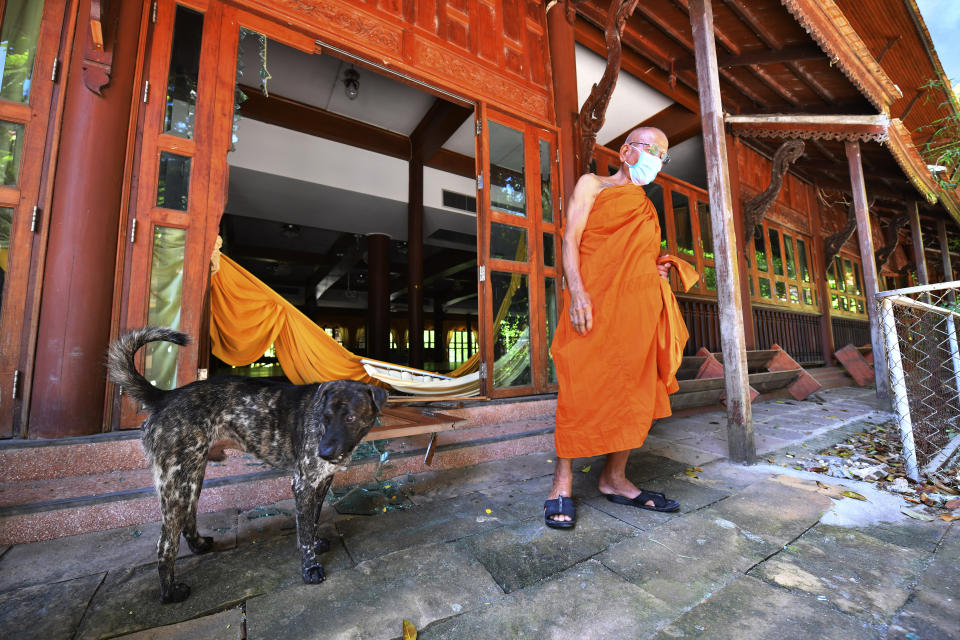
(351, 83)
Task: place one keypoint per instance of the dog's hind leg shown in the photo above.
(179, 487)
(309, 500)
(196, 542)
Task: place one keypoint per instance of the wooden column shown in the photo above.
(916, 234)
(945, 255)
(563, 64)
(378, 295)
(746, 305)
(69, 380)
(739, 415)
(415, 261)
(869, 266)
(817, 271)
(439, 336)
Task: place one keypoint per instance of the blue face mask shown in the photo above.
(645, 169)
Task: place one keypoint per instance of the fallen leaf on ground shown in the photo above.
(854, 495)
(913, 500)
(950, 517)
(586, 469)
(915, 514)
(409, 631)
(953, 504)
(691, 473)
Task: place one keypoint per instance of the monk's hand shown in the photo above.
(581, 312)
(663, 268)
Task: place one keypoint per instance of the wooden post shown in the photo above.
(945, 256)
(415, 261)
(739, 415)
(563, 63)
(746, 304)
(820, 282)
(859, 188)
(378, 295)
(916, 234)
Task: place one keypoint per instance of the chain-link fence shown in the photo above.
(920, 328)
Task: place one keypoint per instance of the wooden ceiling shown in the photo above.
(770, 64)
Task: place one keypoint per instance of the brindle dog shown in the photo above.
(309, 429)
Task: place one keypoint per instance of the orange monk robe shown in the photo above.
(615, 380)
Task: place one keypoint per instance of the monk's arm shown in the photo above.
(581, 308)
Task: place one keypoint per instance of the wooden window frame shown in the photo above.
(857, 271)
(754, 273)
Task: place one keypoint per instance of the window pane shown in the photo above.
(18, 48)
(508, 242)
(751, 287)
(546, 189)
(507, 192)
(683, 223)
(710, 278)
(841, 284)
(511, 331)
(802, 257)
(183, 74)
(173, 184)
(859, 306)
(831, 278)
(781, 291)
(852, 285)
(857, 278)
(775, 252)
(655, 194)
(166, 284)
(760, 250)
(549, 251)
(788, 254)
(834, 303)
(11, 145)
(765, 291)
(706, 232)
(807, 296)
(6, 231)
(794, 294)
(550, 296)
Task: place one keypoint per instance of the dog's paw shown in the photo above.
(313, 574)
(177, 593)
(201, 544)
(321, 546)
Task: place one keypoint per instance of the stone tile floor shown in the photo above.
(754, 552)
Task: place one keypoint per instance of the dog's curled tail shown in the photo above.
(123, 371)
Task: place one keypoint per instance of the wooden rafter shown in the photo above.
(594, 109)
(675, 120)
(767, 56)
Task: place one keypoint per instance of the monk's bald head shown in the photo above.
(650, 135)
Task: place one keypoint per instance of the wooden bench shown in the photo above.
(400, 421)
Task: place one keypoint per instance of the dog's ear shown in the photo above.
(319, 396)
(378, 395)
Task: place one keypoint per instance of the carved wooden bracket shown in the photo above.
(892, 236)
(756, 207)
(98, 44)
(833, 243)
(594, 109)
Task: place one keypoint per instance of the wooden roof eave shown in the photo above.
(830, 29)
(900, 143)
(921, 25)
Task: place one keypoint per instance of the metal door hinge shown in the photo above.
(16, 384)
(480, 182)
(479, 127)
(482, 273)
(483, 370)
(35, 219)
(558, 155)
(153, 13)
(56, 70)
(146, 91)
(133, 231)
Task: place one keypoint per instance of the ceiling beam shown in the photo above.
(442, 274)
(675, 120)
(768, 56)
(440, 122)
(453, 162)
(350, 258)
(272, 254)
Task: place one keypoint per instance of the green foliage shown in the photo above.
(943, 135)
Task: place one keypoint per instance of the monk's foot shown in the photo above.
(562, 486)
(620, 487)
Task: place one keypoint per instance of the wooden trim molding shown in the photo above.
(810, 127)
(827, 25)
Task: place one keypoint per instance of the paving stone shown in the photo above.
(690, 496)
(442, 485)
(774, 511)
(644, 466)
(520, 555)
(372, 600)
(856, 572)
(586, 602)
(922, 536)
(438, 521)
(728, 476)
(277, 519)
(687, 559)
(46, 611)
(129, 599)
(100, 551)
(931, 613)
(684, 454)
(226, 625)
(747, 609)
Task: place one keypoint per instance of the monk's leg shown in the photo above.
(613, 478)
(562, 484)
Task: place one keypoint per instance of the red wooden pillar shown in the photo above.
(69, 379)
(415, 261)
(819, 271)
(563, 64)
(378, 295)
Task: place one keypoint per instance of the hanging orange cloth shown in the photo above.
(615, 380)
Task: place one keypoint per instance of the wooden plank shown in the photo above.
(700, 399)
(700, 384)
(853, 361)
(410, 421)
(804, 384)
(767, 381)
(869, 264)
(740, 438)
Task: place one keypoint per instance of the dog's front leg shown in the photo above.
(309, 498)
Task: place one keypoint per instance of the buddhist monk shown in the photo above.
(618, 351)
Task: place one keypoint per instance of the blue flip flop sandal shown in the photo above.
(559, 506)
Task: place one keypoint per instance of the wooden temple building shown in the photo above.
(397, 170)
